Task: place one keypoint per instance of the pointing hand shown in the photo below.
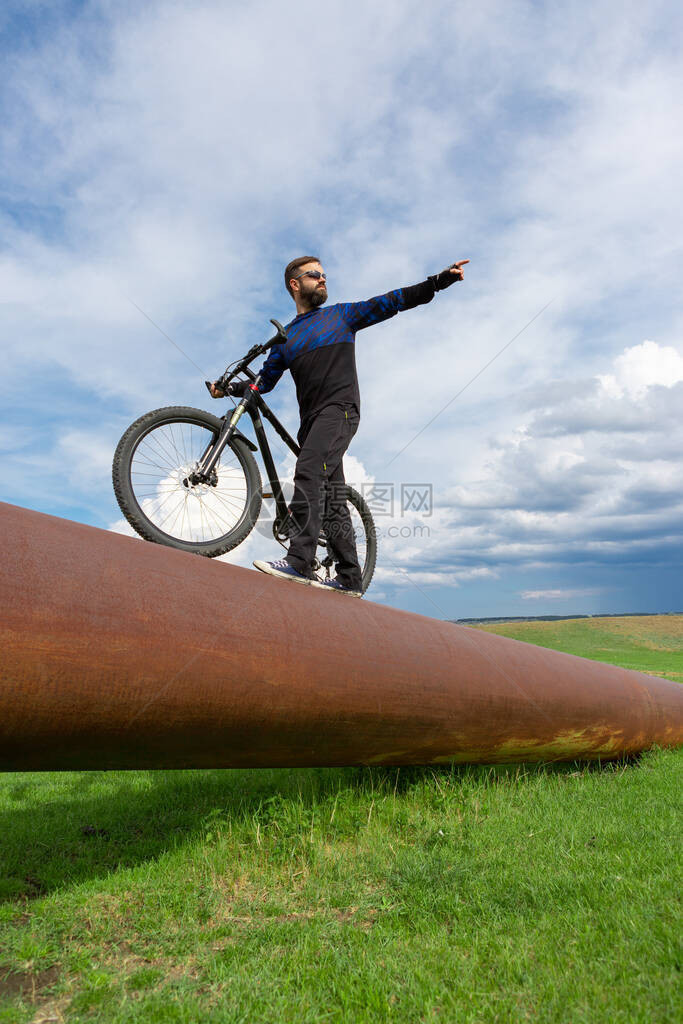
(456, 269)
(449, 276)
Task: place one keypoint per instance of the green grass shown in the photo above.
(645, 643)
(545, 893)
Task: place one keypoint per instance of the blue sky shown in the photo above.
(178, 155)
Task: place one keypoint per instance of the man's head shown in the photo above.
(305, 282)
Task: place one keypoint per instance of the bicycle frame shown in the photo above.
(256, 410)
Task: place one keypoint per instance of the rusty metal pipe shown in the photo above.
(117, 653)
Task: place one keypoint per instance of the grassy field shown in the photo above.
(645, 643)
(546, 893)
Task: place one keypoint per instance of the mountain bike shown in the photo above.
(188, 479)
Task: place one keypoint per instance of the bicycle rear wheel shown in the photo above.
(152, 463)
(365, 535)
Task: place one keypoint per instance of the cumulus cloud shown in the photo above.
(641, 366)
(594, 476)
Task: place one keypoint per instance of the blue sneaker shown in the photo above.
(283, 569)
(334, 584)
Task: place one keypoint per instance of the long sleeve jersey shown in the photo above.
(320, 348)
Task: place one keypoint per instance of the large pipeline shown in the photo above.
(117, 653)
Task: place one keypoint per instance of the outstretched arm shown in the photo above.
(363, 314)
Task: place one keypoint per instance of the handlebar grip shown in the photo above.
(277, 338)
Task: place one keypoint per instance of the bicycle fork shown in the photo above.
(206, 466)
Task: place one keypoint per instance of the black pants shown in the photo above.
(319, 497)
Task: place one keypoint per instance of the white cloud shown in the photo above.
(557, 595)
(641, 366)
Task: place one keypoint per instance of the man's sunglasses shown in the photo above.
(315, 274)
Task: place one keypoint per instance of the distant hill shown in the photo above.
(557, 618)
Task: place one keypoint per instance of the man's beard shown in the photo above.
(315, 297)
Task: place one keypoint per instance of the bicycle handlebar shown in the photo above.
(256, 350)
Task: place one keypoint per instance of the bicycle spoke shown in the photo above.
(219, 518)
(182, 521)
(181, 509)
(201, 515)
(148, 462)
(228, 502)
(182, 435)
(168, 440)
(139, 472)
(155, 441)
(164, 502)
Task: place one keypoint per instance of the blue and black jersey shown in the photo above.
(320, 353)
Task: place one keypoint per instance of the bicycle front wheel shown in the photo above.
(152, 465)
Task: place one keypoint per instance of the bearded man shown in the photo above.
(320, 355)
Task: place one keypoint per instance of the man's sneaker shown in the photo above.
(341, 589)
(282, 569)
